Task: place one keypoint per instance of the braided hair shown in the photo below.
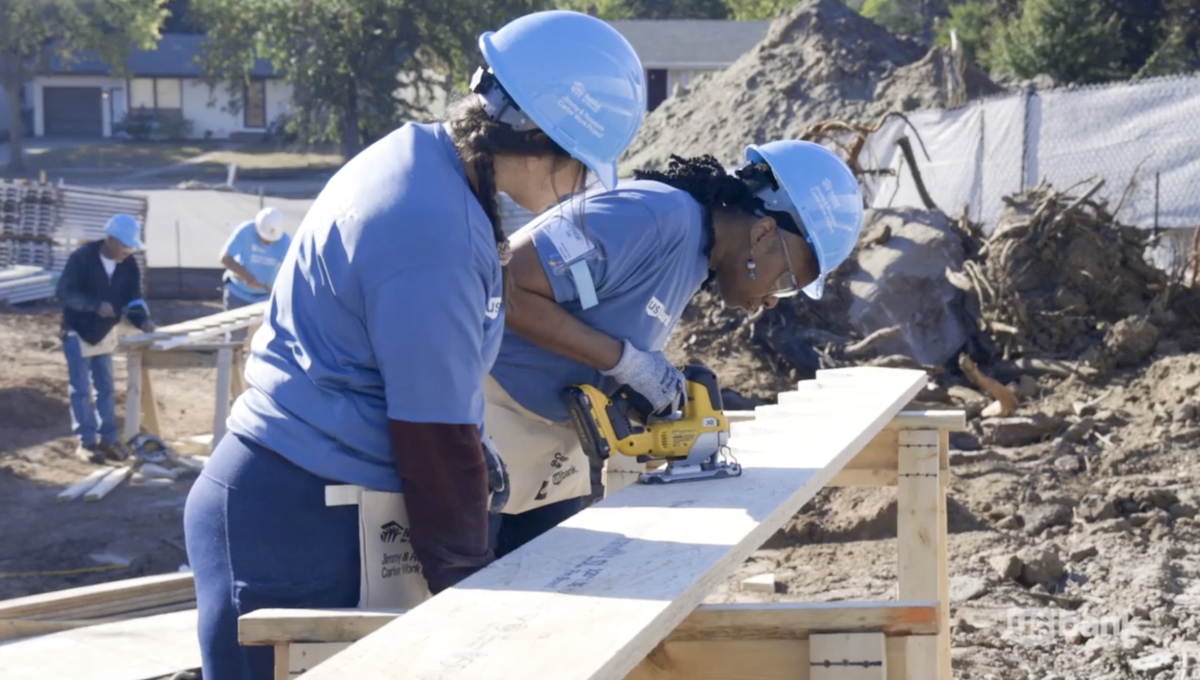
(705, 180)
(479, 139)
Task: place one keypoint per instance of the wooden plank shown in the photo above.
(847, 656)
(109, 482)
(221, 412)
(138, 649)
(272, 626)
(918, 539)
(612, 581)
(149, 405)
(744, 660)
(133, 398)
(282, 662)
(943, 559)
(78, 488)
(248, 313)
(181, 358)
(795, 620)
(750, 621)
(304, 657)
(237, 383)
(63, 600)
(951, 420)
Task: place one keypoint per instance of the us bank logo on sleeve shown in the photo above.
(655, 309)
(493, 307)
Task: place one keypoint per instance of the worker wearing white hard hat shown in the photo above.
(355, 471)
(252, 256)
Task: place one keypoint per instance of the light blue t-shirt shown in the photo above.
(650, 238)
(261, 259)
(388, 305)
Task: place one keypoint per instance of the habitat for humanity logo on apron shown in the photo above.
(390, 576)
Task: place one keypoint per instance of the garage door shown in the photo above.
(73, 111)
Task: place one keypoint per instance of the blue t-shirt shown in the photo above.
(261, 259)
(388, 305)
(650, 238)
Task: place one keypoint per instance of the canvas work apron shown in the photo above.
(390, 576)
(107, 345)
(545, 461)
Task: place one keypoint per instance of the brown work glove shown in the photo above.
(445, 481)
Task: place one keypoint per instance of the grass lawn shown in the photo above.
(262, 157)
(253, 160)
(112, 156)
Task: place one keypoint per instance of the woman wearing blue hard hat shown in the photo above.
(354, 472)
(592, 305)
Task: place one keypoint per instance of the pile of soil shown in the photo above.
(820, 61)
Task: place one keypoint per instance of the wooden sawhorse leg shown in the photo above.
(921, 546)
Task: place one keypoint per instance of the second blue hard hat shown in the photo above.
(578, 80)
(821, 194)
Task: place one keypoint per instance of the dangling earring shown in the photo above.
(750, 268)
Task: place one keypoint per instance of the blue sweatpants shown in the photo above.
(259, 535)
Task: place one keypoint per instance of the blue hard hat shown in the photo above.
(125, 229)
(576, 78)
(821, 193)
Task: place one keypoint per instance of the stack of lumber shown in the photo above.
(96, 604)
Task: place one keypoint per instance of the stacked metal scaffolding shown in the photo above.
(42, 224)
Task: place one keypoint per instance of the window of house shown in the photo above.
(156, 94)
(255, 110)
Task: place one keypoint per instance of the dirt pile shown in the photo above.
(820, 61)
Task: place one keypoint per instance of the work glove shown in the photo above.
(497, 477)
(651, 376)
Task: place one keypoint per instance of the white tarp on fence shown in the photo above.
(1145, 131)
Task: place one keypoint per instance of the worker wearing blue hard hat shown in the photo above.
(100, 284)
(355, 470)
(597, 299)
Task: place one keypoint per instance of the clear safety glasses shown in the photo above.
(787, 285)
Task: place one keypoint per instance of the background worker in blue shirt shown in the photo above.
(384, 320)
(252, 256)
(100, 285)
(787, 218)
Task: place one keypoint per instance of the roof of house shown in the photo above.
(175, 56)
(695, 43)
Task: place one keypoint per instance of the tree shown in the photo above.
(1073, 41)
(32, 32)
(356, 67)
(973, 23)
(611, 10)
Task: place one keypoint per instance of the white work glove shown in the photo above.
(497, 477)
(652, 376)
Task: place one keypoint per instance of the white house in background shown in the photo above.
(673, 51)
(83, 99)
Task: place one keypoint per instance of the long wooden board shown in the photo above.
(138, 649)
(112, 591)
(754, 621)
(592, 597)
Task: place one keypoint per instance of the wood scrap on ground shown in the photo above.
(95, 604)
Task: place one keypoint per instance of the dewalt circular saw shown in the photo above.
(691, 442)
